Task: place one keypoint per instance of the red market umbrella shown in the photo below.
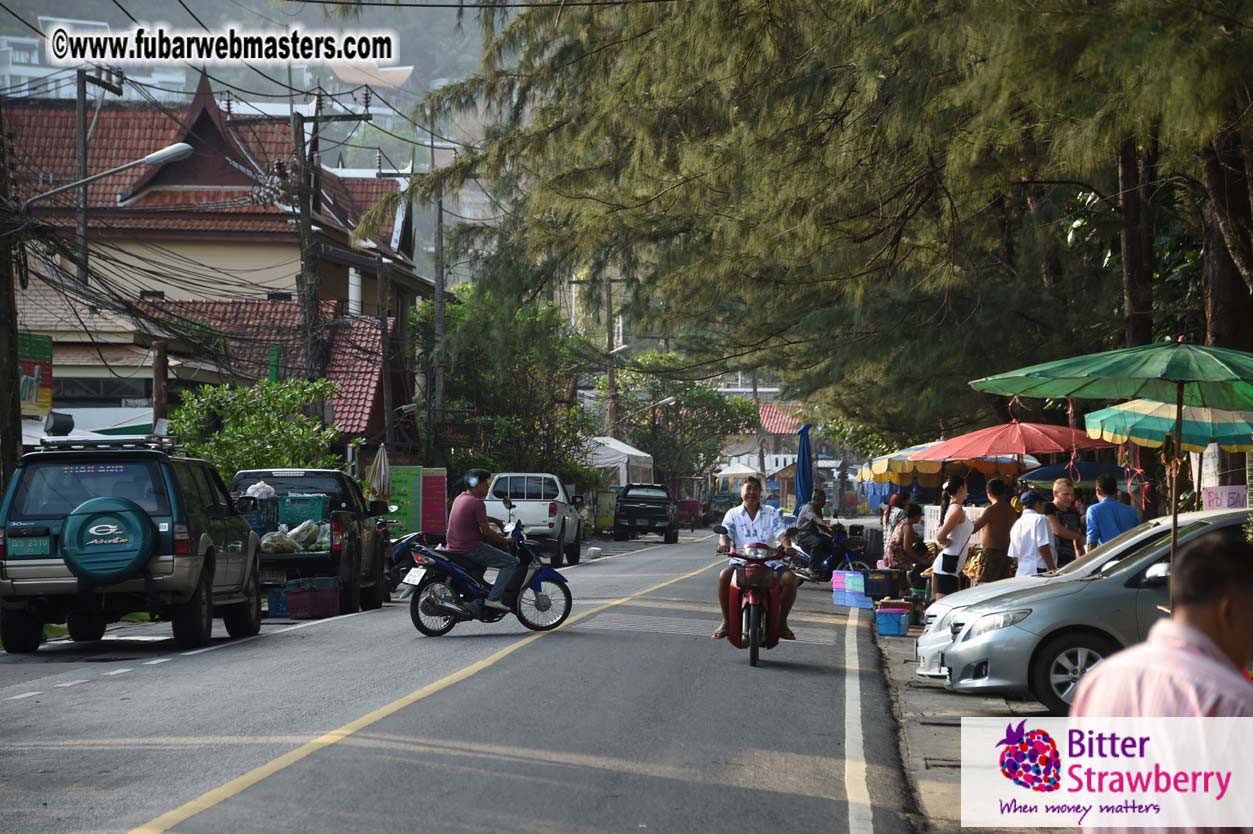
(1012, 439)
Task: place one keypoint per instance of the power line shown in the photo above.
(23, 21)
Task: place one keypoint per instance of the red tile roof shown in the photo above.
(217, 189)
(780, 418)
(355, 366)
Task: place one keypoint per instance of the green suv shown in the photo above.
(93, 530)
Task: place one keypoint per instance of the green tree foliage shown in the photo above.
(265, 426)
(513, 370)
(686, 437)
(877, 198)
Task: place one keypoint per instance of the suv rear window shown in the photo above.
(53, 488)
(307, 484)
(525, 488)
(645, 492)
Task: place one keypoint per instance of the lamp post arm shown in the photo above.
(80, 183)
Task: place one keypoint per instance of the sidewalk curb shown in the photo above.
(913, 806)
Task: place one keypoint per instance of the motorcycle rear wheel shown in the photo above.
(754, 632)
(432, 625)
(545, 609)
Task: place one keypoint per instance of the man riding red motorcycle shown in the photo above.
(753, 522)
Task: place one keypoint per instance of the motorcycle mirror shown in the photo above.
(719, 529)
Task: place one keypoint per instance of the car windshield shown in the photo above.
(1135, 552)
(645, 492)
(52, 489)
(1102, 551)
(302, 484)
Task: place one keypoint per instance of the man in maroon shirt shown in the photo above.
(469, 530)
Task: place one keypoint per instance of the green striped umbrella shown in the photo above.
(1170, 372)
(1148, 423)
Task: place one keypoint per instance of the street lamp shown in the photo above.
(658, 404)
(170, 153)
(619, 349)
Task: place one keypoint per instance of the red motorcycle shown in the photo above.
(756, 594)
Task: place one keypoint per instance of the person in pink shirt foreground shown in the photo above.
(1193, 664)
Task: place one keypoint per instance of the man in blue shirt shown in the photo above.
(1108, 517)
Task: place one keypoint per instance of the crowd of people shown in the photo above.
(1021, 534)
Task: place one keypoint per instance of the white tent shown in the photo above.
(33, 432)
(737, 471)
(622, 464)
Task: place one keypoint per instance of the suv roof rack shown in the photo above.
(117, 441)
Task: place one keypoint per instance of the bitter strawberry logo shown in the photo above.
(1030, 759)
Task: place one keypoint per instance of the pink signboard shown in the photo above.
(1226, 497)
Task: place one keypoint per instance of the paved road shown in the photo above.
(629, 719)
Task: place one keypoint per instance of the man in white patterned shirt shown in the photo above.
(752, 522)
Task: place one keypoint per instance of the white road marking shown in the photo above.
(119, 671)
(158, 660)
(630, 553)
(23, 695)
(70, 683)
(856, 786)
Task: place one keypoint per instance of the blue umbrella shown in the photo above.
(804, 467)
(1084, 473)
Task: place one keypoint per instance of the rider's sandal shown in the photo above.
(786, 634)
(720, 633)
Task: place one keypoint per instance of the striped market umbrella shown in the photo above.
(1149, 423)
(904, 466)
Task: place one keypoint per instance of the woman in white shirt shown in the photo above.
(953, 537)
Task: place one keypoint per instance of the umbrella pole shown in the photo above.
(1174, 481)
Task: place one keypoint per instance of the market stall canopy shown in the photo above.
(1083, 472)
(622, 464)
(1148, 423)
(1013, 438)
(903, 468)
(1212, 377)
(737, 470)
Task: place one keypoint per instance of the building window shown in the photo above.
(102, 391)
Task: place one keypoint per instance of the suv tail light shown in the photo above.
(337, 537)
(182, 540)
(1, 544)
(552, 508)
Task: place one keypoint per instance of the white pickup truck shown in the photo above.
(545, 507)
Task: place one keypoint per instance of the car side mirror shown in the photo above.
(577, 500)
(719, 529)
(508, 503)
(246, 504)
(1156, 576)
(379, 508)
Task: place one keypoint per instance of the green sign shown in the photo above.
(407, 495)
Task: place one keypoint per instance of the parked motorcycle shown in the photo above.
(846, 554)
(448, 589)
(756, 598)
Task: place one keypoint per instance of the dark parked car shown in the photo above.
(645, 508)
(357, 548)
(93, 530)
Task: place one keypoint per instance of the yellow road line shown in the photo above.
(239, 784)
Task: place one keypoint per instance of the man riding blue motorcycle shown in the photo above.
(469, 531)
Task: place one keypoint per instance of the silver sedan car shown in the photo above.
(1039, 642)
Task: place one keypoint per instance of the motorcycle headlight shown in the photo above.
(991, 622)
(758, 552)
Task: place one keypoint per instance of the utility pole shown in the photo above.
(389, 415)
(82, 79)
(439, 280)
(10, 375)
(307, 279)
(761, 449)
(611, 410)
(160, 381)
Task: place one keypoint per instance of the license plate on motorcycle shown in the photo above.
(414, 576)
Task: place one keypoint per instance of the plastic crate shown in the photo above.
(276, 602)
(312, 603)
(323, 582)
(264, 519)
(848, 599)
(848, 580)
(296, 509)
(892, 622)
(882, 583)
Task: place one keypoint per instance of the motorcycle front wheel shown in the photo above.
(545, 609)
(754, 632)
(431, 590)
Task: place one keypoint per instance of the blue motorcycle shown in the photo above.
(448, 589)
